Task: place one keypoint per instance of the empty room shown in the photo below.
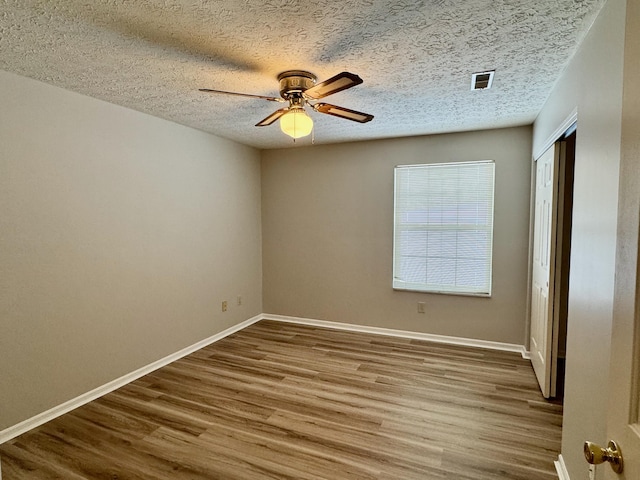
(319, 240)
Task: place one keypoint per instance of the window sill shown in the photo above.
(442, 292)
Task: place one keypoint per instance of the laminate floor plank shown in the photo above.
(23, 464)
(296, 402)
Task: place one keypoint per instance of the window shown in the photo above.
(443, 228)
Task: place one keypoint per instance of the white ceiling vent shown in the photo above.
(482, 80)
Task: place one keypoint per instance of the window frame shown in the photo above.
(399, 284)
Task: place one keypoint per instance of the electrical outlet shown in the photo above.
(239, 300)
(420, 307)
(224, 306)
(592, 472)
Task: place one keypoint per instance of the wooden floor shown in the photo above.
(283, 401)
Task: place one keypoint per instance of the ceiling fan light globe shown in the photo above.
(296, 123)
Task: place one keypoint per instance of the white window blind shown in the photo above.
(443, 227)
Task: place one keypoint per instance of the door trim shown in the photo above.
(557, 134)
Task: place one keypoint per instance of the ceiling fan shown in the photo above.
(298, 88)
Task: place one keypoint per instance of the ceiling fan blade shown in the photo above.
(340, 82)
(272, 118)
(342, 112)
(271, 99)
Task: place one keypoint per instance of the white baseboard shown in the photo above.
(37, 420)
(466, 342)
(28, 424)
(561, 468)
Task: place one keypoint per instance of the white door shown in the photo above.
(623, 412)
(623, 424)
(543, 350)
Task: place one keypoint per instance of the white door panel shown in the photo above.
(544, 243)
(623, 422)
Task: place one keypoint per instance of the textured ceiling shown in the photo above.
(416, 58)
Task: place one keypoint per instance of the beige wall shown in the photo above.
(120, 235)
(592, 84)
(327, 214)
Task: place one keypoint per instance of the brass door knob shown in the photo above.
(595, 455)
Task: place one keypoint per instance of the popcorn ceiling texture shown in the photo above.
(416, 58)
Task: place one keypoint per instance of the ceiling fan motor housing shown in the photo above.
(294, 82)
